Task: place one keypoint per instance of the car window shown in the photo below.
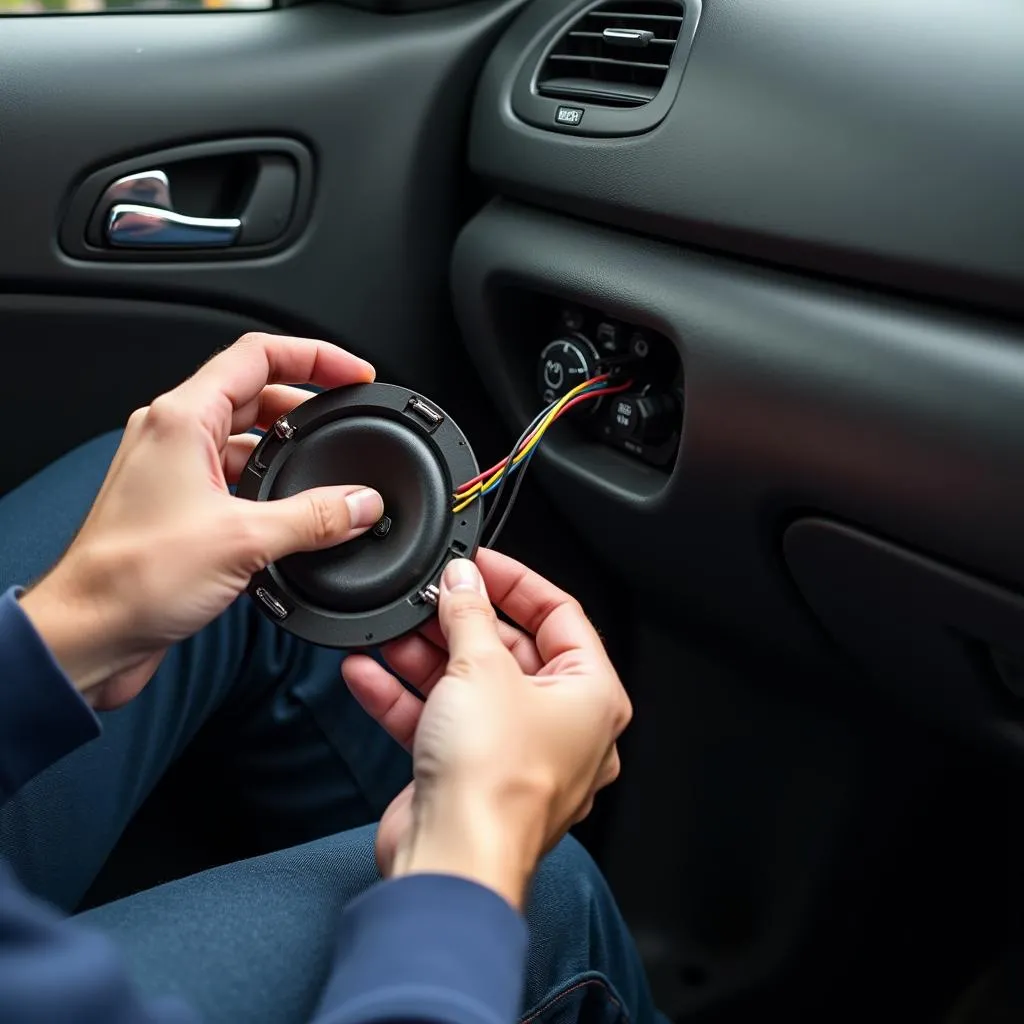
(22, 7)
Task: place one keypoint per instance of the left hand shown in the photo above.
(490, 733)
(166, 547)
(421, 658)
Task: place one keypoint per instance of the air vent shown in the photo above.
(616, 54)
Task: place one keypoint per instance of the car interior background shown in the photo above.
(799, 225)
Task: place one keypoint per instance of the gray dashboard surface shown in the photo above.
(881, 140)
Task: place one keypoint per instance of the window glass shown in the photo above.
(107, 6)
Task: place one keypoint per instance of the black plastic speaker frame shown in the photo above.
(383, 584)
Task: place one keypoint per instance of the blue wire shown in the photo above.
(515, 467)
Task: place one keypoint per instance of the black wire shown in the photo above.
(500, 525)
(506, 471)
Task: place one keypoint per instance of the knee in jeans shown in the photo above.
(581, 964)
(571, 885)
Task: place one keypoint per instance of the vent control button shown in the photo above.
(569, 115)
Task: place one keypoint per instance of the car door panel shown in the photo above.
(379, 101)
(74, 367)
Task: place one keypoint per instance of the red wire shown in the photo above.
(500, 465)
(583, 398)
(561, 412)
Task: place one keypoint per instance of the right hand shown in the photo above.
(517, 733)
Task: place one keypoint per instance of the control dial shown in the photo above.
(564, 364)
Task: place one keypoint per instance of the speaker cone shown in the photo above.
(382, 584)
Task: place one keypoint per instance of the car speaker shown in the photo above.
(385, 583)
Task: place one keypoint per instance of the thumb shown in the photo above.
(315, 519)
(467, 619)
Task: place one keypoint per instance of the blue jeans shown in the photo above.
(294, 758)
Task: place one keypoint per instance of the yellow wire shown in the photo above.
(467, 497)
(465, 504)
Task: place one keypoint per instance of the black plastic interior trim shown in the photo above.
(96, 360)
(798, 395)
(927, 632)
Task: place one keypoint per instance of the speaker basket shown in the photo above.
(383, 584)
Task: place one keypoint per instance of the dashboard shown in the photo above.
(825, 245)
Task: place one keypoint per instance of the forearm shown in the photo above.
(42, 718)
(73, 631)
(476, 835)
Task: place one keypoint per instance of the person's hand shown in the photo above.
(517, 733)
(166, 547)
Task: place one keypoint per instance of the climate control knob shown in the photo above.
(564, 364)
(643, 418)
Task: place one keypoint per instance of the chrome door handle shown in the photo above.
(150, 188)
(132, 226)
(141, 216)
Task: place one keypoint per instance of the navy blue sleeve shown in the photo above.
(430, 949)
(42, 716)
(50, 968)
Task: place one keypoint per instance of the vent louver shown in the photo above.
(617, 54)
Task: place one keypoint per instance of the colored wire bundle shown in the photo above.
(497, 477)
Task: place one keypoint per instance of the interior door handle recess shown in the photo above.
(142, 216)
(229, 199)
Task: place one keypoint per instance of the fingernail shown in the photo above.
(365, 507)
(462, 574)
(371, 372)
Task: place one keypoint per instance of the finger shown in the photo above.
(519, 644)
(236, 455)
(553, 617)
(468, 622)
(236, 376)
(584, 811)
(610, 768)
(393, 824)
(422, 658)
(606, 775)
(383, 697)
(273, 402)
(310, 521)
(417, 660)
(129, 437)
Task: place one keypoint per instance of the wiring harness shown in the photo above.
(496, 479)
